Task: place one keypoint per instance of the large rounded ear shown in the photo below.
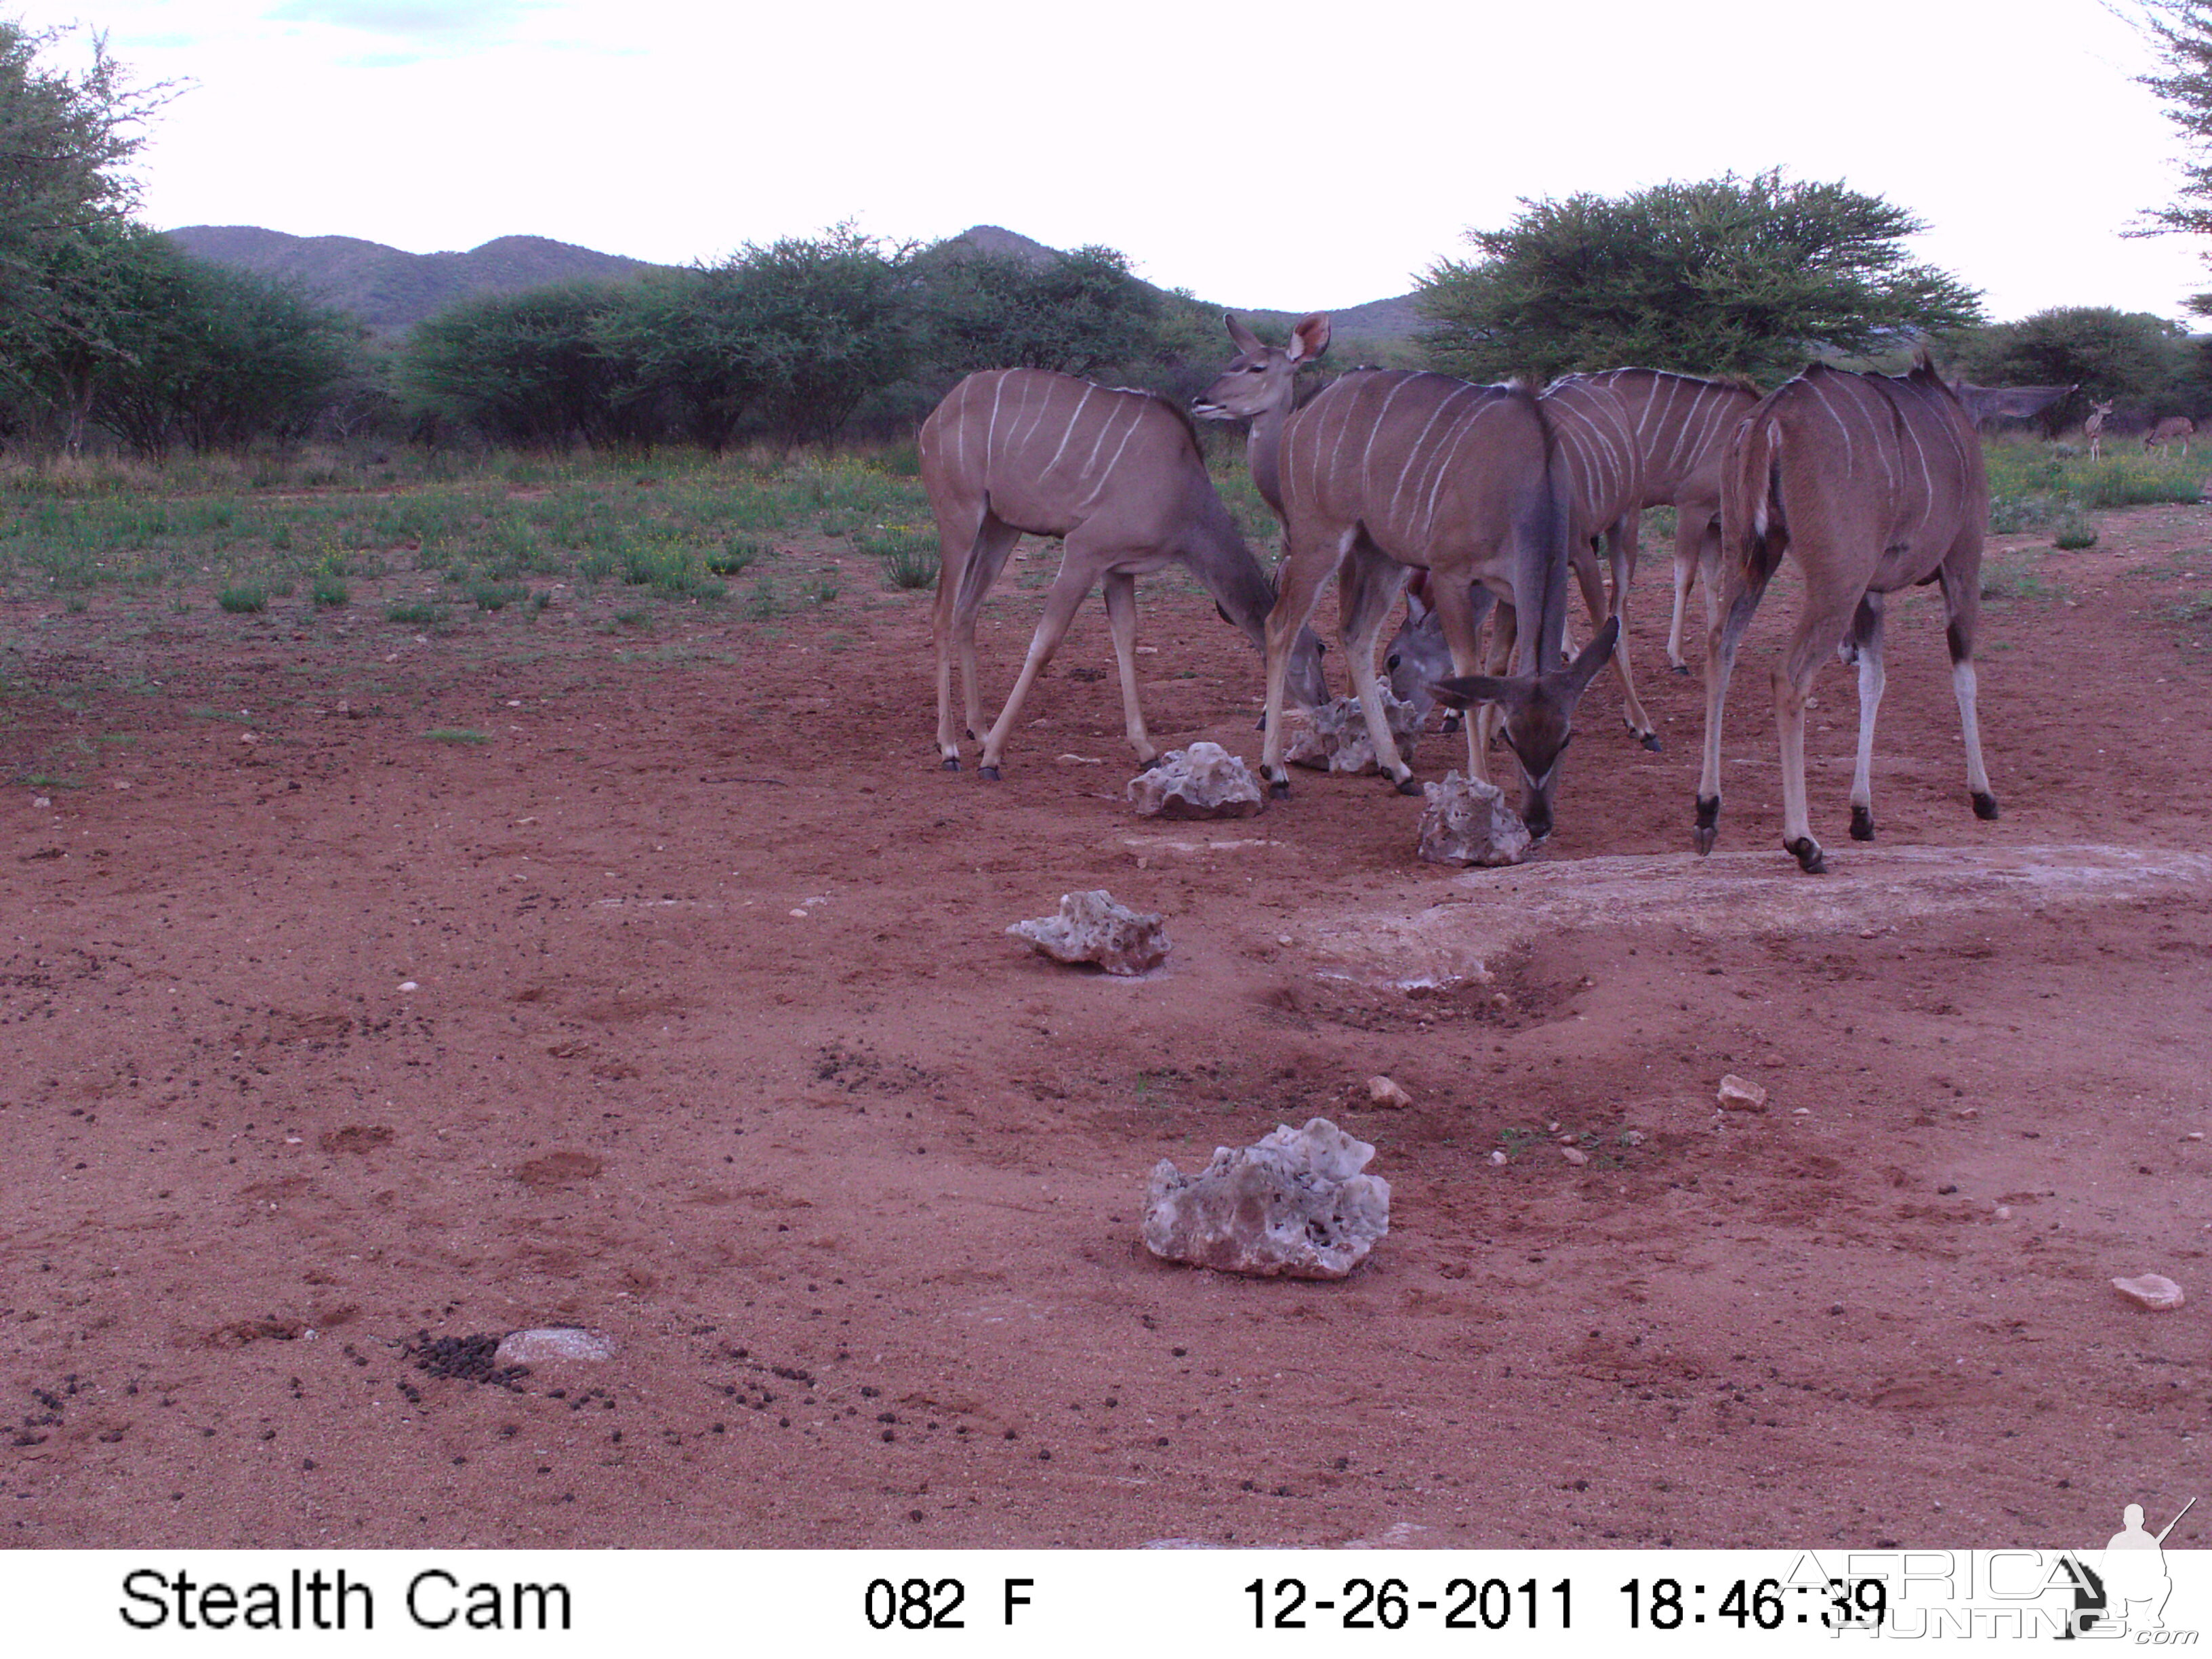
(1245, 339)
(1472, 688)
(1579, 673)
(1309, 338)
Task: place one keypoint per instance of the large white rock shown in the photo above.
(1202, 782)
(1334, 737)
(1092, 927)
(1466, 820)
(550, 1342)
(2153, 1290)
(1294, 1205)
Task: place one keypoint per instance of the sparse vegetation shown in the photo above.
(457, 734)
(247, 598)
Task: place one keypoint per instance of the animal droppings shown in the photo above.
(549, 1342)
(1092, 927)
(2152, 1290)
(1382, 1091)
(1740, 1095)
(1294, 1205)
(1202, 782)
(1466, 820)
(1334, 737)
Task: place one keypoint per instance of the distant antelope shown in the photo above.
(1674, 430)
(2094, 428)
(2172, 427)
(1386, 469)
(1115, 472)
(1874, 483)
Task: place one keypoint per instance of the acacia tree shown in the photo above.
(832, 319)
(2180, 31)
(1081, 313)
(1746, 275)
(2107, 353)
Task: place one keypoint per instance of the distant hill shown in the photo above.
(391, 289)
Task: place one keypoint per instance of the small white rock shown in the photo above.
(535, 1347)
(41, 801)
(1498, 1158)
(1574, 1154)
(1383, 1092)
(2004, 1212)
(407, 984)
(1742, 1095)
(2152, 1290)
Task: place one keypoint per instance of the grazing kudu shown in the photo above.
(1874, 484)
(1387, 469)
(2172, 427)
(1675, 428)
(1115, 472)
(2094, 428)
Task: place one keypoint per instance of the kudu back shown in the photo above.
(1871, 482)
(1115, 472)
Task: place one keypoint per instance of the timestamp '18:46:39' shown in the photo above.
(1841, 1604)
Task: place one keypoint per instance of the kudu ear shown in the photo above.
(1245, 340)
(1583, 670)
(1472, 688)
(1309, 338)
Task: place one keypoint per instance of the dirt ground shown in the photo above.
(715, 1043)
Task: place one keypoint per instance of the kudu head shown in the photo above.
(1259, 378)
(1538, 711)
(1418, 655)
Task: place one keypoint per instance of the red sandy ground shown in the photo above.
(719, 1047)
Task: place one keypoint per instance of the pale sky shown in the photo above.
(1292, 156)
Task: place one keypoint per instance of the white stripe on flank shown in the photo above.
(990, 432)
(1014, 433)
(1666, 416)
(1092, 459)
(1413, 449)
(1106, 474)
(1070, 433)
(1850, 459)
(1440, 449)
(1448, 452)
(1367, 453)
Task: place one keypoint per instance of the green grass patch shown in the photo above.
(457, 734)
(247, 598)
(910, 557)
(329, 592)
(415, 613)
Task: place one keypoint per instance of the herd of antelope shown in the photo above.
(1490, 497)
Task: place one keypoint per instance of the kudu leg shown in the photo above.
(1962, 597)
(1723, 637)
(1690, 535)
(963, 584)
(1368, 584)
(1621, 557)
(1299, 579)
(1060, 605)
(1866, 641)
(1819, 630)
(1120, 591)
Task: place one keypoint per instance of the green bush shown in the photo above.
(246, 599)
(332, 591)
(415, 613)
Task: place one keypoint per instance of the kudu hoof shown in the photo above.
(1152, 765)
(1651, 740)
(1862, 824)
(1985, 808)
(1709, 819)
(988, 773)
(1409, 785)
(1280, 789)
(1454, 721)
(1807, 852)
(1681, 668)
(951, 763)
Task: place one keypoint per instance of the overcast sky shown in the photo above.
(1291, 156)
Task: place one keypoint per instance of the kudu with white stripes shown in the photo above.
(1873, 483)
(1115, 472)
(1387, 470)
(1631, 438)
(2172, 427)
(2094, 428)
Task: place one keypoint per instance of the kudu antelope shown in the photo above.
(1387, 470)
(2094, 428)
(1634, 438)
(2172, 427)
(1117, 474)
(1874, 484)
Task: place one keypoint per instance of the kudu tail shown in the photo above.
(1754, 531)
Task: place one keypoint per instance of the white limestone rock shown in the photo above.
(1295, 1206)
(1466, 820)
(1092, 927)
(1202, 782)
(2153, 1290)
(549, 1342)
(1739, 1094)
(1334, 737)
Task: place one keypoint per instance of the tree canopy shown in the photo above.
(1746, 275)
(2180, 31)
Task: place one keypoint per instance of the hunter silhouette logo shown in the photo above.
(2136, 1582)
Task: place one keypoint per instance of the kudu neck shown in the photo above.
(1216, 553)
(1264, 449)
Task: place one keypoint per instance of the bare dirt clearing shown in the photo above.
(717, 1046)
